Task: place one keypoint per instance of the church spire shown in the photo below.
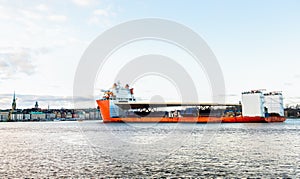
(14, 104)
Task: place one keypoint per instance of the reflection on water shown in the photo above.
(94, 149)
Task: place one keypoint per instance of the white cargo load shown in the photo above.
(274, 103)
(253, 104)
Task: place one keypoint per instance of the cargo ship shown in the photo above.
(118, 104)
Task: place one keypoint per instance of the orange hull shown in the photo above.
(104, 109)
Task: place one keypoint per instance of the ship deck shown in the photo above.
(138, 105)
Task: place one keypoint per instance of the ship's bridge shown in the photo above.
(119, 93)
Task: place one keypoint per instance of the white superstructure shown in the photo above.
(253, 104)
(118, 93)
(274, 103)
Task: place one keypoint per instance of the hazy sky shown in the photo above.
(256, 43)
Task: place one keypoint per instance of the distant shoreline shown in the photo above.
(81, 120)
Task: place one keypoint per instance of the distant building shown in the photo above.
(36, 106)
(69, 115)
(37, 115)
(58, 114)
(27, 117)
(50, 115)
(17, 115)
(81, 114)
(88, 114)
(4, 115)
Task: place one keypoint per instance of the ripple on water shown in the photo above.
(94, 149)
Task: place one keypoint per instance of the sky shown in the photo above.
(255, 42)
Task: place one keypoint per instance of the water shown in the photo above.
(93, 149)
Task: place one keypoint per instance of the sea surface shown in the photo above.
(94, 149)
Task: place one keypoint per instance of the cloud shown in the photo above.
(297, 76)
(94, 20)
(42, 8)
(288, 84)
(102, 17)
(15, 61)
(31, 15)
(4, 14)
(18, 60)
(57, 18)
(101, 12)
(28, 101)
(83, 2)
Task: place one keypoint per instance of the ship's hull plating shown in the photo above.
(105, 113)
